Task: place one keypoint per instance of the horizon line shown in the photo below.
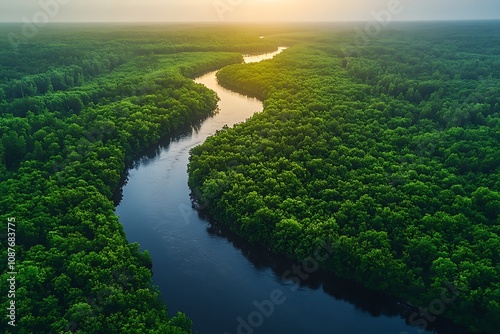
(252, 22)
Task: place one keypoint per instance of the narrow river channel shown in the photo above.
(223, 284)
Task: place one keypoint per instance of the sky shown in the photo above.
(243, 10)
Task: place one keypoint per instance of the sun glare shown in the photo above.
(288, 10)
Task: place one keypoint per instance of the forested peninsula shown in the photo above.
(386, 148)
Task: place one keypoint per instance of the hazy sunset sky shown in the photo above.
(241, 10)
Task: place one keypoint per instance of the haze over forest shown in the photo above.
(247, 10)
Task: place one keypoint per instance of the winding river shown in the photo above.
(223, 284)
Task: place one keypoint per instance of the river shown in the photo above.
(223, 284)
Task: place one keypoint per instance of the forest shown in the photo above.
(78, 104)
(386, 149)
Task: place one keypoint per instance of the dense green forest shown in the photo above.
(388, 149)
(77, 105)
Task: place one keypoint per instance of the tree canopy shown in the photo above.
(388, 149)
(77, 106)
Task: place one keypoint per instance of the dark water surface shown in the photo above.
(223, 284)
